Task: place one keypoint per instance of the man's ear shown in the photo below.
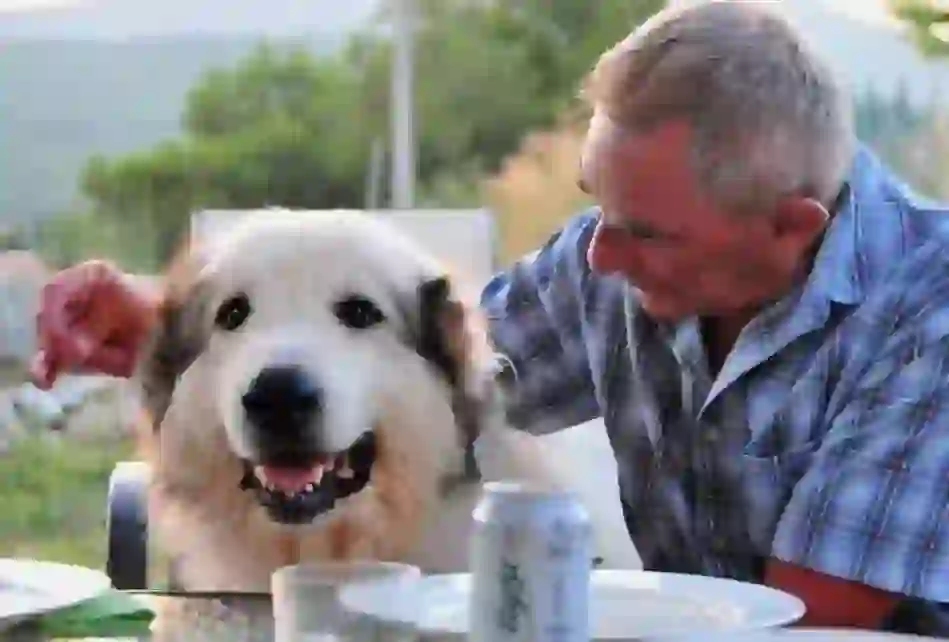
(180, 334)
(793, 231)
(799, 222)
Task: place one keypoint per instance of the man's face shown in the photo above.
(670, 241)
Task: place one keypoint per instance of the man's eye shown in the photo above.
(645, 235)
(637, 233)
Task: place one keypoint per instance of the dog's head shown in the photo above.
(304, 353)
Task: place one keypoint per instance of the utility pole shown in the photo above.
(402, 105)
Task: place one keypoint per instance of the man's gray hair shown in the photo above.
(768, 116)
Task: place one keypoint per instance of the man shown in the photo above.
(757, 309)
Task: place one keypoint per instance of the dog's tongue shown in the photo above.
(290, 480)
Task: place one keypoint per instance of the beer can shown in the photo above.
(530, 562)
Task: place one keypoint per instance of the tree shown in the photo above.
(928, 24)
(277, 130)
(66, 239)
(923, 157)
(285, 128)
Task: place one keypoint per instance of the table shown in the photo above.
(807, 635)
(196, 619)
(781, 635)
(249, 619)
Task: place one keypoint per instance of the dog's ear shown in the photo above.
(179, 335)
(445, 338)
(441, 335)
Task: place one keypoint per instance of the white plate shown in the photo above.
(623, 605)
(29, 588)
(809, 635)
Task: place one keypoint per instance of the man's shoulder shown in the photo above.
(879, 188)
(899, 234)
(559, 262)
(576, 233)
(920, 281)
(886, 259)
(910, 306)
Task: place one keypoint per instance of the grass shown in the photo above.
(53, 497)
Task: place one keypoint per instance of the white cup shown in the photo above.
(306, 605)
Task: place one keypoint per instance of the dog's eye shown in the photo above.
(358, 312)
(233, 313)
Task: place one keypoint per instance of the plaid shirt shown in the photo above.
(824, 439)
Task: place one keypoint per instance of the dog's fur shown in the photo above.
(422, 380)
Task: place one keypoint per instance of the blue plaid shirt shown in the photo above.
(824, 439)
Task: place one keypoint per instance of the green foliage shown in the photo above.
(12, 240)
(927, 22)
(881, 120)
(53, 494)
(911, 139)
(285, 128)
(63, 100)
(66, 239)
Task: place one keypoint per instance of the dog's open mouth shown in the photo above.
(298, 492)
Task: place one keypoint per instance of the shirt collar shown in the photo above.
(864, 236)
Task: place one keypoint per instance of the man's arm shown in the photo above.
(867, 526)
(535, 315)
(832, 601)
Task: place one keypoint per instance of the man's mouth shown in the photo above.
(299, 492)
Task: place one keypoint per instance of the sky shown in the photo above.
(27, 5)
(870, 10)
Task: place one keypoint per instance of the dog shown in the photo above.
(318, 388)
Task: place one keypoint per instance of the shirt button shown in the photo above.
(711, 436)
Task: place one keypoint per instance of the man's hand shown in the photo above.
(831, 601)
(92, 319)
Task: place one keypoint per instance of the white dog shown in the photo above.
(317, 390)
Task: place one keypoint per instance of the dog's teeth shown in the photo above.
(317, 475)
(309, 488)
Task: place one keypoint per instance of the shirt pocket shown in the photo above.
(767, 484)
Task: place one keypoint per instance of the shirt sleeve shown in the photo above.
(535, 322)
(873, 505)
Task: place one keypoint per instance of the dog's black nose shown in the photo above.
(282, 397)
